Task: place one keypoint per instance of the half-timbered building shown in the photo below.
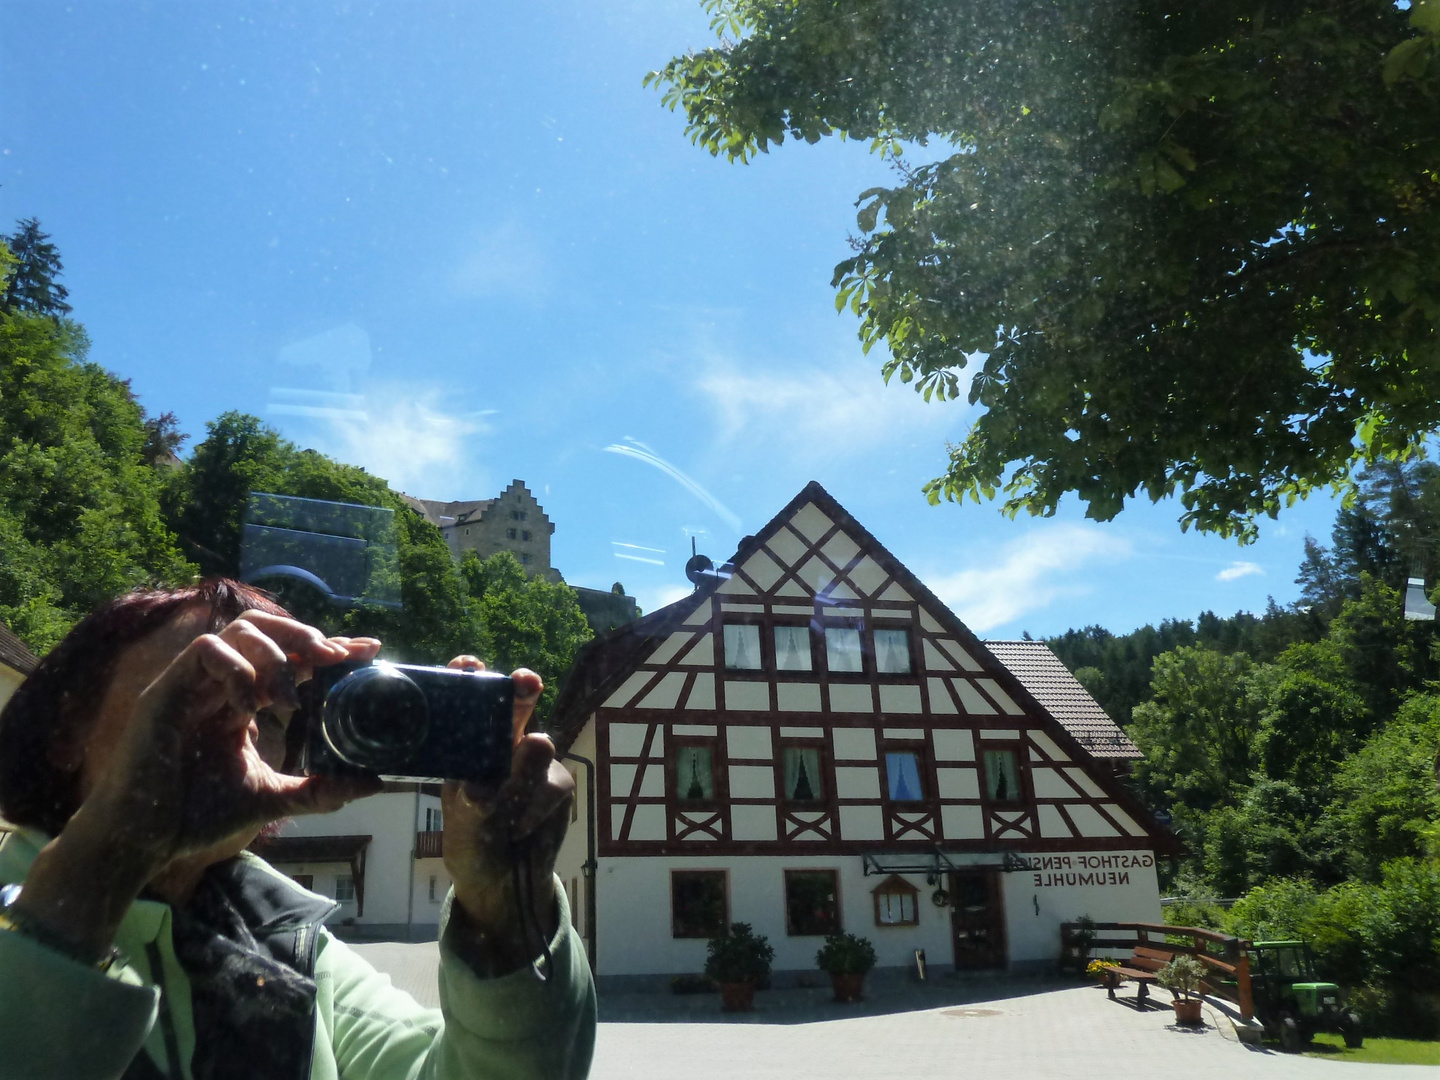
(812, 741)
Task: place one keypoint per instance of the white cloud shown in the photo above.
(653, 599)
(400, 432)
(505, 261)
(1239, 569)
(824, 412)
(1029, 573)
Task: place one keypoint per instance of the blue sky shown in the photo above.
(460, 243)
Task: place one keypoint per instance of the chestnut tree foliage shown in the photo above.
(1177, 249)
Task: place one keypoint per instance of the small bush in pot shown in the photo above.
(1182, 977)
(847, 957)
(738, 960)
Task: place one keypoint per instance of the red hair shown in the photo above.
(59, 698)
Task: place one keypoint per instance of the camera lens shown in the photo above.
(375, 717)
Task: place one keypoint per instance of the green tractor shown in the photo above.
(1291, 1003)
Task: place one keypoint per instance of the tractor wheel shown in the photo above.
(1289, 1034)
(1351, 1033)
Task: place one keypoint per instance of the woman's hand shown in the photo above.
(186, 773)
(170, 772)
(491, 834)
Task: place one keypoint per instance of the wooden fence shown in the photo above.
(1226, 958)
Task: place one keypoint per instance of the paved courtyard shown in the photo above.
(1015, 1028)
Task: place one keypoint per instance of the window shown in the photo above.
(698, 907)
(812, 903)
(842, 649)
(525, 559)
(434, 888)
(1002, 776)
(792, 648)
(344, 889)
(892, 652)
(742, 647)
(902, 776)
(509, 534)
(804, 781)
(895, 902)
(524, 534)
(434, 819)
(694, 774)
(305, 881)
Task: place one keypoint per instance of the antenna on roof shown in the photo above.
(698, 567)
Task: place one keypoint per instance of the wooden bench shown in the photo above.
(1140, 967)
(1153, 946)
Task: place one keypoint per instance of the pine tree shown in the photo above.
(32, 286)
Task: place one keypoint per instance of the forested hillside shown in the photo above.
(1295, 752)
(94, 501)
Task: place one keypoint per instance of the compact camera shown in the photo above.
(405, 723)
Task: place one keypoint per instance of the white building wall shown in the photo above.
(396, 885)
(633, 920)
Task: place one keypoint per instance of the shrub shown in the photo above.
(846, 954)
(739, 955)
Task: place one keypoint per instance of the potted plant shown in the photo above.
(738, 960)
(1103, 970)
(847, 957)
(1182, 977)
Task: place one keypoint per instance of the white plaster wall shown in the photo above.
(1036, 937)
(633, 920)
(392, 819)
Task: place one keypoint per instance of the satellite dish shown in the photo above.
(698, 568)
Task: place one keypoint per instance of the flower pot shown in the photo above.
(737, 997)
(848, 985)
(1187, 1011)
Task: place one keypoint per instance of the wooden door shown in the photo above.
(977, 919)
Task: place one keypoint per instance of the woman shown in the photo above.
(140, 759)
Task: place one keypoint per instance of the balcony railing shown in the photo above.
(428, 844)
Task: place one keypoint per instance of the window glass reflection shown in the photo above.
(742, 647)
(792, 648)
(842, 649)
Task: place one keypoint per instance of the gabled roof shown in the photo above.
(1051, 684)
(607, 660)
(15, 654)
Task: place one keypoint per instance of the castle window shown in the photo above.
(525, 535)
(812, 903)
(742, 647)
(892, 652)
(525, 559)
(698, 907)
(804, 781)
(694, 774)
(895, 902)
(902, 776)
(509, 534)
(792, 648)
(1002, 777)
(842, 649)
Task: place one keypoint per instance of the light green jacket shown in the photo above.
(63, 1020)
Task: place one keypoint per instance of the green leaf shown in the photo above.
(1425, 15)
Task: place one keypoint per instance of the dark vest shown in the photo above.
(247, 942)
